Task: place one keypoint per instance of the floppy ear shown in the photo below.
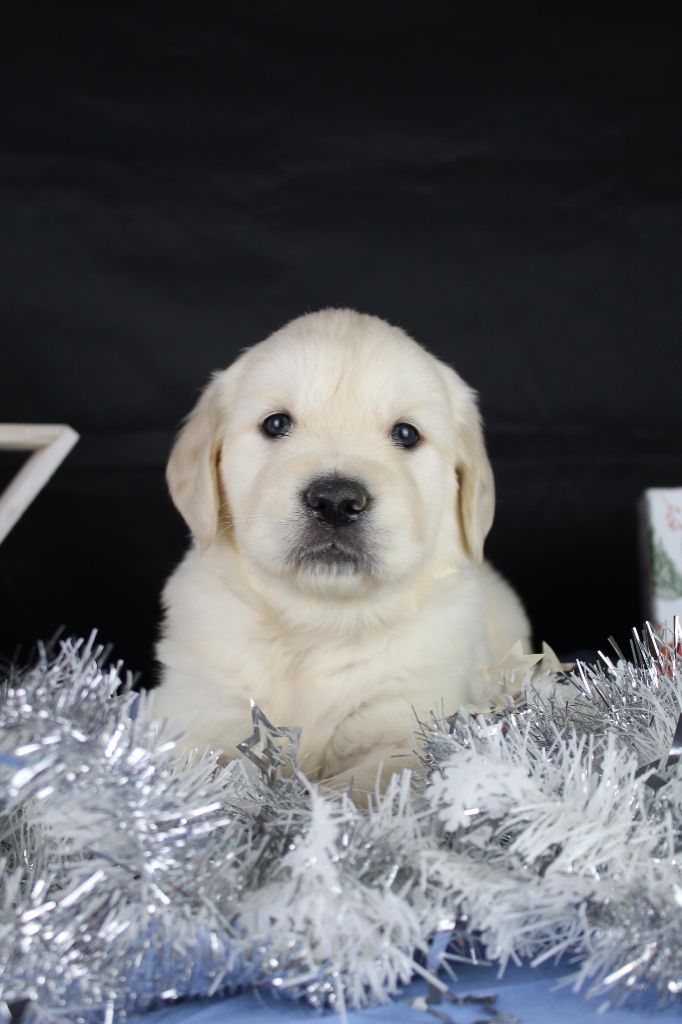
(192, 471)
(476, 484)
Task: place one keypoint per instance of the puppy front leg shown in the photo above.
(369, 746)
(370, 775)
(200, 715)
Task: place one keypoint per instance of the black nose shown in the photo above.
(335, 500)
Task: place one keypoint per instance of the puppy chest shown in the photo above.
(310, 681)
(317, 685)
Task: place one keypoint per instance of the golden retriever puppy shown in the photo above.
(336, 483)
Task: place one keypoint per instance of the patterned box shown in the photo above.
(662, 551)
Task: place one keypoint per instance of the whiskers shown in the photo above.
(227, 521)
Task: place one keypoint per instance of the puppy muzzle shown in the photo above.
(334, 534)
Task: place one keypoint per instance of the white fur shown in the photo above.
(348, 655)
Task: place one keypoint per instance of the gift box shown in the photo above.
(662, 554)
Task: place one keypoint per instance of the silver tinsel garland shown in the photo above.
(128, 876)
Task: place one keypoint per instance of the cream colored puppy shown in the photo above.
(338, 490)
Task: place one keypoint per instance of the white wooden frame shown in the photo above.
(50, 443)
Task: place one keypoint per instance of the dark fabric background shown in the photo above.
(177, 182)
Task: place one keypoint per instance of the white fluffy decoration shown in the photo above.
(551, 827)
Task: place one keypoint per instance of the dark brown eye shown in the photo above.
(405, 435)
(277, 425)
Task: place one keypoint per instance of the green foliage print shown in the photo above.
(667, 578)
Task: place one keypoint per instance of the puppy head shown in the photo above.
(338, 456)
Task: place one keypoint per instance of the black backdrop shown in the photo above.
(177, 182)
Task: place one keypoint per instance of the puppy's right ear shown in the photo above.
(192, 471)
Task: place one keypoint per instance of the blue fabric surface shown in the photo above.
(530, 996)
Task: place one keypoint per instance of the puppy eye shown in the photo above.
(405, 435)
(277, 425)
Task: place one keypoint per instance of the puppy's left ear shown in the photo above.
(475, 481)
